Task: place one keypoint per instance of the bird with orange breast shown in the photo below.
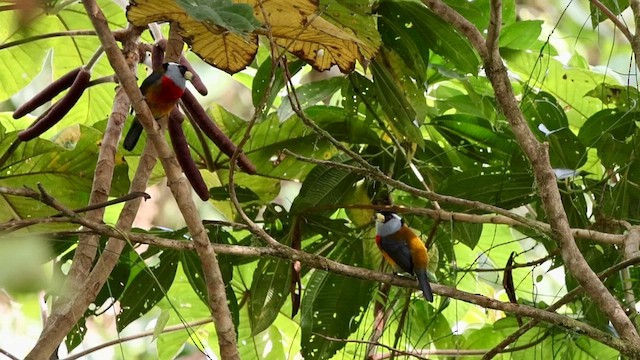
(402, 248)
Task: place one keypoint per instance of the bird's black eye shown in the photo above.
(183, 69)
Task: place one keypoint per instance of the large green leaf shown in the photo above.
(400, 113)
(440, 37)
(494, 186)
(478, 12)
(549, 123)
(406, 42)
(147, 288)
(567, 84)
(269, 291)
(353, 130)
(324, 186)
(263, 78)
(521, 35)
(267, 345)
(543, 108)
(476, 137)
(183, 305)
(333, 305)
(615, 6)
(310, 94)
(270, 137)
(619, 124)
(65, 174)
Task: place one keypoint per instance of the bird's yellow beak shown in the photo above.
(379, 217)
(188, 75)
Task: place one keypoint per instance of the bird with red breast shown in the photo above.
(162, 90)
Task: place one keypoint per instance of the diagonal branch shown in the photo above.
(180, 188)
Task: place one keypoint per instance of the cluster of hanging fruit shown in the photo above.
(163, 90)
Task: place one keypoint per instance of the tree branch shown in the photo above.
(325, 264)
(538, 156)
(178, 184)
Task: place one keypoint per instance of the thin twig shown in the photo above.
(611, 16)
(124, 339)
(48, 36)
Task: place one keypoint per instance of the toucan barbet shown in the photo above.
(162, 90)
(402, 248)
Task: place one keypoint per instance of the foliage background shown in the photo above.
(576, 83)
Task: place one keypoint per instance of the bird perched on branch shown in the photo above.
(162, 90)
(402, 248)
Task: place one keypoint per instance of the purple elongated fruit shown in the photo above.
(48, 93)
(59, 109)
(181, 148)
(216, 135)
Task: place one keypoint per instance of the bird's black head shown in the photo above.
(388, 223)
(385, 216)
(173, 69)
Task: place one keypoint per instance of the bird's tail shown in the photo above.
(133, 135)
(424, 284)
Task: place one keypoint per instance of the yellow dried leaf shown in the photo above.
(218, 47)
(298, 26)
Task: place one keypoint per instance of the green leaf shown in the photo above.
(353, 130)
(440, 37)
(333, 305)
(620, 125)
(494, 186)
(566, 151)
(263, 78)
(543, 108)
(408, 44)
(147, 288)
(568, 85)
(65, 174)
(467, 233)
(183, 305)
(400, 114)
(616, 7)
(324, 186)
(77, 333)
(311, 94)
(192, 268)
(549, 122)
(245, 195)
(521, 35)
(234, 17)
(476, 137)
(269, 291)
(623, 97)
(267, 345)
(270, 137)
